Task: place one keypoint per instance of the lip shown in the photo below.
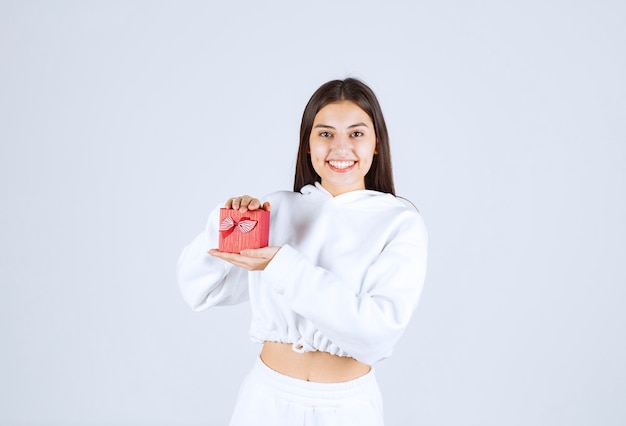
(341, 166)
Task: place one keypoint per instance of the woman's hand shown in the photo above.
(250, 259)
(245, 203)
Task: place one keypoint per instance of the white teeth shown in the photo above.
(341, 164)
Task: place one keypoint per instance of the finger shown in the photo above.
(253, 253)
(266, 206)
(244, 203)
(248, 203)
(232, 203)
(254, 204)
(237, 259)
(250, 259)
(236, 203)
(216, 253)
(266, 253)
(224, 255)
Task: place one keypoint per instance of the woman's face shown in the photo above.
(342, 146)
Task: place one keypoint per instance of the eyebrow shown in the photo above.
(326, 126)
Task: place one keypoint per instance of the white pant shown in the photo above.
(268, 398)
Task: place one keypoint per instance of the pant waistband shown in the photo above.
(289, 385)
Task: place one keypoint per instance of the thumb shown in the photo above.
(260, 253)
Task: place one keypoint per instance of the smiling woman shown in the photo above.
(343, 96)
(337, 285)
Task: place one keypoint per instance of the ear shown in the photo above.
(376, 148)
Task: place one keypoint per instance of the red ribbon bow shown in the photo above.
(245, 225)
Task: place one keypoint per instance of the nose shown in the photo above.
(341, 143)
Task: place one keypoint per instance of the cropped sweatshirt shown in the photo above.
(346, 280)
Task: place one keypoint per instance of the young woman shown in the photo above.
(336, 287)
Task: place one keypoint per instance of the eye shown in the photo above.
(325, 134)
(356, 134)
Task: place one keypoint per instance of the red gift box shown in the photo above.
(239, 231)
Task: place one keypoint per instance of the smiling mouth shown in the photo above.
(341, 165)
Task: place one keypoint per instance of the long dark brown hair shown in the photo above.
(380, 176)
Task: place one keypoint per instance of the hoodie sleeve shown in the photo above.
(367, 324)
(207, 281)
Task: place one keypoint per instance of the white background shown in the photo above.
(122, 123)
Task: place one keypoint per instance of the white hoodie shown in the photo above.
(346, 280)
